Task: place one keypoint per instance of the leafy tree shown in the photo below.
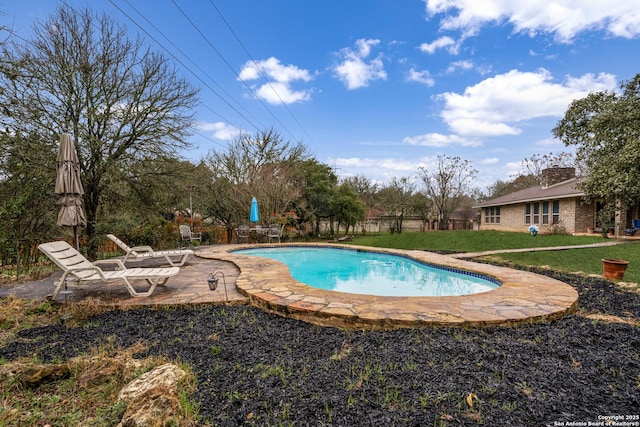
(605, 129)
(397, 200)
(27, 172)
(148, 196)
(124, 104)
(366, 189)
(318, 184)
(423, 208)
(346, 206)
(446, 184)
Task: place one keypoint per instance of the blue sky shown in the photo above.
(382, 87)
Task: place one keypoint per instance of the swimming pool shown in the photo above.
(373, 273)
(522, 296)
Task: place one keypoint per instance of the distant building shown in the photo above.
(556, 202)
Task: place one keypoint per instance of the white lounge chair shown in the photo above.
(138, 253)
(78, 269)
(188, 235)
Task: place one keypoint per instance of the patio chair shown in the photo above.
(275, 232)
(76, 268)
(261, 233)
(244, 233)
(138, 253)
(188, 235)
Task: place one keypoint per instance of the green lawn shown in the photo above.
(585, 260)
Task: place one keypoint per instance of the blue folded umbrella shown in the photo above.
(254, 210)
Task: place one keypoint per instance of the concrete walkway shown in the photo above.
(535, 249)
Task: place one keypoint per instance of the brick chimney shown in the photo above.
(556, 174)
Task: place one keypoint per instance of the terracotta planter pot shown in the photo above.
(614, 268)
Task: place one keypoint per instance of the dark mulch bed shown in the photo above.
(256, 368)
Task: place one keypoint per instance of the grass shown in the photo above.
(581, 261)
(472, 241)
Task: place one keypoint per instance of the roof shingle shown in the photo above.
(561, 190)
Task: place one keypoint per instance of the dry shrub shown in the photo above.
(17, 314)
(80, 311)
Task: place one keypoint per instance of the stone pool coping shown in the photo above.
(523, 297)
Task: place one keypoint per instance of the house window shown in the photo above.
(545, 212)
(492, 215)
(550, 212)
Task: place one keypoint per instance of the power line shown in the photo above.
(185, 67)
(194, 63)
(230, 66)
(260, 71)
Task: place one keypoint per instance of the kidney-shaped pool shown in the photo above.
(373, 273)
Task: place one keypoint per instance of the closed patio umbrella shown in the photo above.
(69, 186)
(253, 217)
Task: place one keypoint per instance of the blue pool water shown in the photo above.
(372, 273)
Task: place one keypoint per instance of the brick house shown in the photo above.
(557, 201)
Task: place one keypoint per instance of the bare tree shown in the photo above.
(446, 185)
(535, 164)
(123, 103)
(261, 165)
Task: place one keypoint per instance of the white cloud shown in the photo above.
(276, 93)
(274, 70)
(423, 77)
(354, 71)
(459, 65)
(494, 106)
(563, 18)
(364, 46)
(220, 130)
(440, 140)
(489, 161)
(279, 78)
(442, 43)
(387, 163)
